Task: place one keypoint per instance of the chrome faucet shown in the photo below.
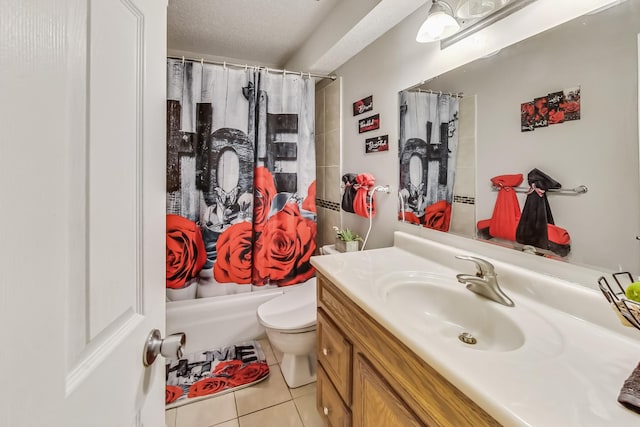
(484, 282)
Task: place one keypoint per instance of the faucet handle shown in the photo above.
(483, 267)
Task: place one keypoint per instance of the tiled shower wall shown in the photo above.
(463, 212)
(328, 135)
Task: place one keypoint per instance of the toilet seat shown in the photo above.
(293, 311)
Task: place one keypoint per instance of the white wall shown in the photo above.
(394, 62)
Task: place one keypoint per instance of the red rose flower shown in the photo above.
(265, 190)
(410, 217)
(227, 368)
(571, 106)
(208, 386)
(556, 116)
(186, 254)
(283, 250)
(438, 216)
(249, 373)
(234, 248)
(172, 393)
(309, 203)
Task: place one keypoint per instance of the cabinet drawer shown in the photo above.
(334, 354)
(331, 408)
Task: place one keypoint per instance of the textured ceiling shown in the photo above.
(308, 35)
(259, 31)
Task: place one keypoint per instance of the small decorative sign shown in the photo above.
(555, 103)
(363, 105)
(374, 145)
(541, 117)
(527, 110)
(370, 123)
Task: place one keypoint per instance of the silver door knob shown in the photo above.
(170, 347)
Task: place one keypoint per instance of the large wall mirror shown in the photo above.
(482, 118)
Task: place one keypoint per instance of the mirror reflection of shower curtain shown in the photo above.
(215, 116)
(428, 148)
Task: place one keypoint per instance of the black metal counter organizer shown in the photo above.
(629, 310)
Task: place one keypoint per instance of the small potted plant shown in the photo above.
(347, 240)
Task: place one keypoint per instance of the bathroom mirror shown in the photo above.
(596, 54)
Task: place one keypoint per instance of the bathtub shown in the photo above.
(218, 321)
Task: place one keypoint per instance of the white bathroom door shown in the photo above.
(82, 223)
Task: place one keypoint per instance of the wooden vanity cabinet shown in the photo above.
(367, 377)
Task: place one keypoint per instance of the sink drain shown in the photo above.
(467, 338)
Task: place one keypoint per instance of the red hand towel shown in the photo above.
(363, 203)
(506, 213)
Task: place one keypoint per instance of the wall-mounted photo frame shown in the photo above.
(368, 124)
(376, 144)
(552, 109)
(363, 105)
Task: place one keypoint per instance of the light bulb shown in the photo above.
(437, 26)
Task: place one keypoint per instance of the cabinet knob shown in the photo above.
(325, 351)
(325, 411)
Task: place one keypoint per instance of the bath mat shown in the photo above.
(200, 375)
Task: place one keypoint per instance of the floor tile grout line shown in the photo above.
(298, 411)
(267, 407)
(270, 406)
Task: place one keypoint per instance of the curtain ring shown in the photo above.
(182, 59)
(224, 65)
(246, 67)
(202, 61)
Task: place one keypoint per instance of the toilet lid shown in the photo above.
(295, 309)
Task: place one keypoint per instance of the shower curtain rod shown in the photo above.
(260, 67)
(438, 92)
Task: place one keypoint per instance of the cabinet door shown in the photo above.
(375, 403)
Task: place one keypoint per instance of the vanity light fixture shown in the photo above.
(471, 9)
(439, 24)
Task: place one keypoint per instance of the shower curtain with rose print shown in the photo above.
(240, 179)
(428, 148)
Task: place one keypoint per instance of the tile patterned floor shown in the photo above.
(269, 403)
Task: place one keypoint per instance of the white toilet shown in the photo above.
(290, 322)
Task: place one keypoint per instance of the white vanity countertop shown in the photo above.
(568, 373)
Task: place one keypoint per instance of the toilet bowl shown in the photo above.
(290, 322)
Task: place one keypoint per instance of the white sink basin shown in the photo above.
(436, 305)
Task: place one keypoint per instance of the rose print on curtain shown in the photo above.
(285, 239)
(234, 250)
(240, 158)
(285, 214)
(185, 251)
